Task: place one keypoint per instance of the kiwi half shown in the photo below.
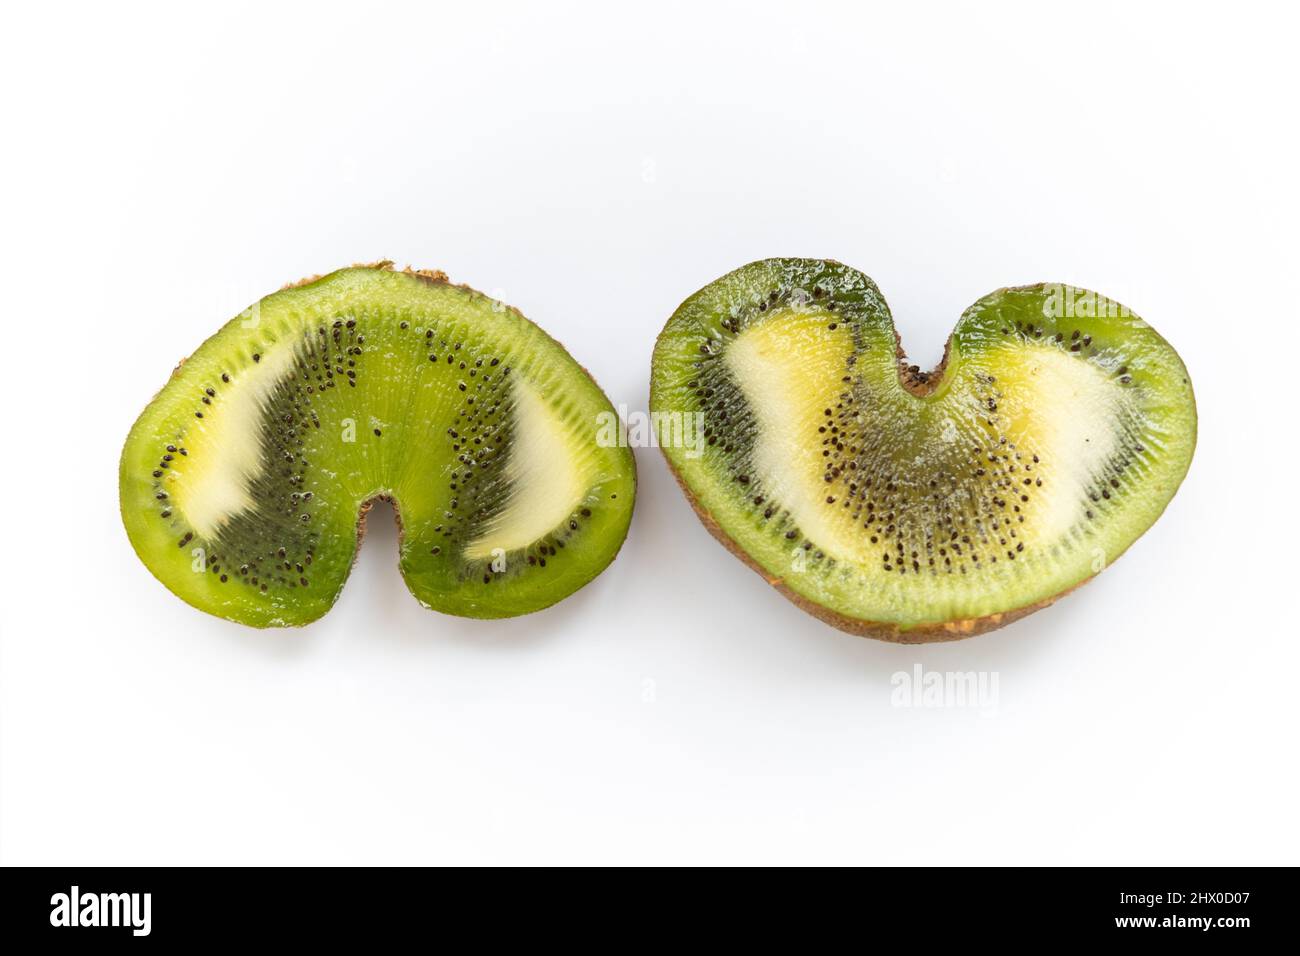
(907, 505)
(245, 482)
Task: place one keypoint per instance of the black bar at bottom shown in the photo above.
(336, 906)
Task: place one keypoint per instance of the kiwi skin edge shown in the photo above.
(878, 630)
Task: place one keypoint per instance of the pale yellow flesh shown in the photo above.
(788, 399)
(210, 485)
(547, 480)
(1063, 408)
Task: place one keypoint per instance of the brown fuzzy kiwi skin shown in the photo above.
(879, 630)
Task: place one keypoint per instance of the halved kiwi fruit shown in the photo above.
(245, 482)
(908, 505)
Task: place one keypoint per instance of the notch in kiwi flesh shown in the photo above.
(245, 482)
(917, 506)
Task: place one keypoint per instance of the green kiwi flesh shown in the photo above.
(908, 505)
(245, 482)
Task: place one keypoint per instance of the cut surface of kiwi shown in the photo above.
(245, 482)
(909, 505)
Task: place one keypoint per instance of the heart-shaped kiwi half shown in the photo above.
(917, 506)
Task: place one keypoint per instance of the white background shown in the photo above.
(162, 169)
